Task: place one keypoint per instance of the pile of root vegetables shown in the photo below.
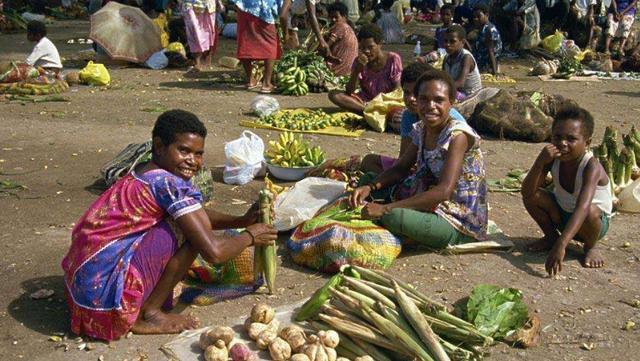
(622, 164)
(379, 316)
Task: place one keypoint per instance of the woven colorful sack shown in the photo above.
(335, 237)
(210, 283)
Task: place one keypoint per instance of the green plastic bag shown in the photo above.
(95, 74)
(552, 43)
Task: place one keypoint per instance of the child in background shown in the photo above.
(621, 15)
(377, 163)
(581, 202)
(446, 16)
(488, 45)
(388, 22)
(342, 40)
(460, 64)
(44, 54)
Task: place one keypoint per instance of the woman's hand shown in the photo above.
(263, 234)
(374, 211)
(361, 61)
(358, 196)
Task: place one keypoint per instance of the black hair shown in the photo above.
(387, 4)
(340, 8)
(439, 75)
(447, 7)
(177, 121)
(413, 71)
(37, 28)
(370, 31)
(458, 30)
(572, 111)
(482, 8)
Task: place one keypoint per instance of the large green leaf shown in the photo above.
(495, 311)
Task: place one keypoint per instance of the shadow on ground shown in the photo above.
(624, 94)
(45, 316)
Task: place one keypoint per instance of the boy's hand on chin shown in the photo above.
(553, 265)
(549, 154)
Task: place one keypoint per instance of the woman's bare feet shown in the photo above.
(159, 322)
(543, 244)
(593, 258)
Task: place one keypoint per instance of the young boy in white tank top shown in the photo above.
(581, 203)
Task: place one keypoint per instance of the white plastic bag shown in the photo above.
(630, 198)
(302, 201)
(263, 105)
(244, 158)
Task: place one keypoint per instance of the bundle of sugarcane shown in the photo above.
(622, 165)
(264, 257)
(387, 319)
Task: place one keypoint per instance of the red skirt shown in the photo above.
(257, 40)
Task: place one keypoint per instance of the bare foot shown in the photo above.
(593, 258)
(163, 323)
(541, 245)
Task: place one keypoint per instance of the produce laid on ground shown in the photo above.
(292, 151)
(622, 165)
(512, 183)
(568, 67)
(300, 71)
(303, 120)
(264, 258)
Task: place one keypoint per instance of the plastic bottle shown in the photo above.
(417, 50)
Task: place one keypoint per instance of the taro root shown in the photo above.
(295, 337)
(316, 351)
(265, 338)
(255, 329)
(216, 352)
(329, 338)
(364, 358)
(300, 357)
(210, 336)
(241, 352)
(262, 313)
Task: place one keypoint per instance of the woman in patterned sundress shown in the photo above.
(445, 201)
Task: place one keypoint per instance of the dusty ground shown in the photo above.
(56, 149)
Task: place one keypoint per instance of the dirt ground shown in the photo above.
(56, 150)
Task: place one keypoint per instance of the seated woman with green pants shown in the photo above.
(444, 202)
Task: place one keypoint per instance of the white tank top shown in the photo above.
(567, 201)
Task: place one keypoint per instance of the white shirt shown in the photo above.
(583, 5)
(45, 55)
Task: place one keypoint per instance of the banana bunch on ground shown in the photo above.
(23, 88)
(292, 81)
(318, 75)
(314, 120)
(292, 151)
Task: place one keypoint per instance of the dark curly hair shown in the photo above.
(572, 111)
(458, 30)
(438, 75)
(413, 71)
(482, 8)
(340, 8)
(177, 121)
(37, 28)
(370, 31)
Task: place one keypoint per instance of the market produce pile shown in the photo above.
(622, 165)
(301, 120)
(293, 151)
(568, 67)
(387, 319)
(299, 72)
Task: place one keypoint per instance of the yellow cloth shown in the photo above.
(163, 25)
(375, 112)
(331, 130)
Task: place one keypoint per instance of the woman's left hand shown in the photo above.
(374, 211)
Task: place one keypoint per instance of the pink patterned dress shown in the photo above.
(120, 248)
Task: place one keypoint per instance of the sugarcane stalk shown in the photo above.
(420, 324)
(394, 332)
(319, 297)
(385, 279)
(267, 253)
(366, 290)
(343, 351)
(358, 296)
(361, 332)
(460, 334)
(456, 352)
(371, 350)
(332, 310)
(635, 133)
(399, 320)
(353, 345)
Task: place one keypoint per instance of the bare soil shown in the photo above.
(56, 150)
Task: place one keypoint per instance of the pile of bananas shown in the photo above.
(314, 120)
(292, 151)
(292, 81)
(318, 76)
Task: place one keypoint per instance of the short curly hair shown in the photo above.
(176, 121)
(413, 71)
(340, 8)
(482, 8)
(572, 111)
(370, 31)
(458, 30)
(438, 75)
(37, 28)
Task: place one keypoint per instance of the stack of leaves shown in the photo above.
(387, 319)
(622, 165)
(496, 311)
(510, 184)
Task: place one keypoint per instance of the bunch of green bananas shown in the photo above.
(293, 151)
(318, 74)
(292, 81)
(314, 120)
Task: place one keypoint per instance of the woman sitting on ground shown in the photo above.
(375, 70)
(444, 202)
(342, 40)
(125, 258)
